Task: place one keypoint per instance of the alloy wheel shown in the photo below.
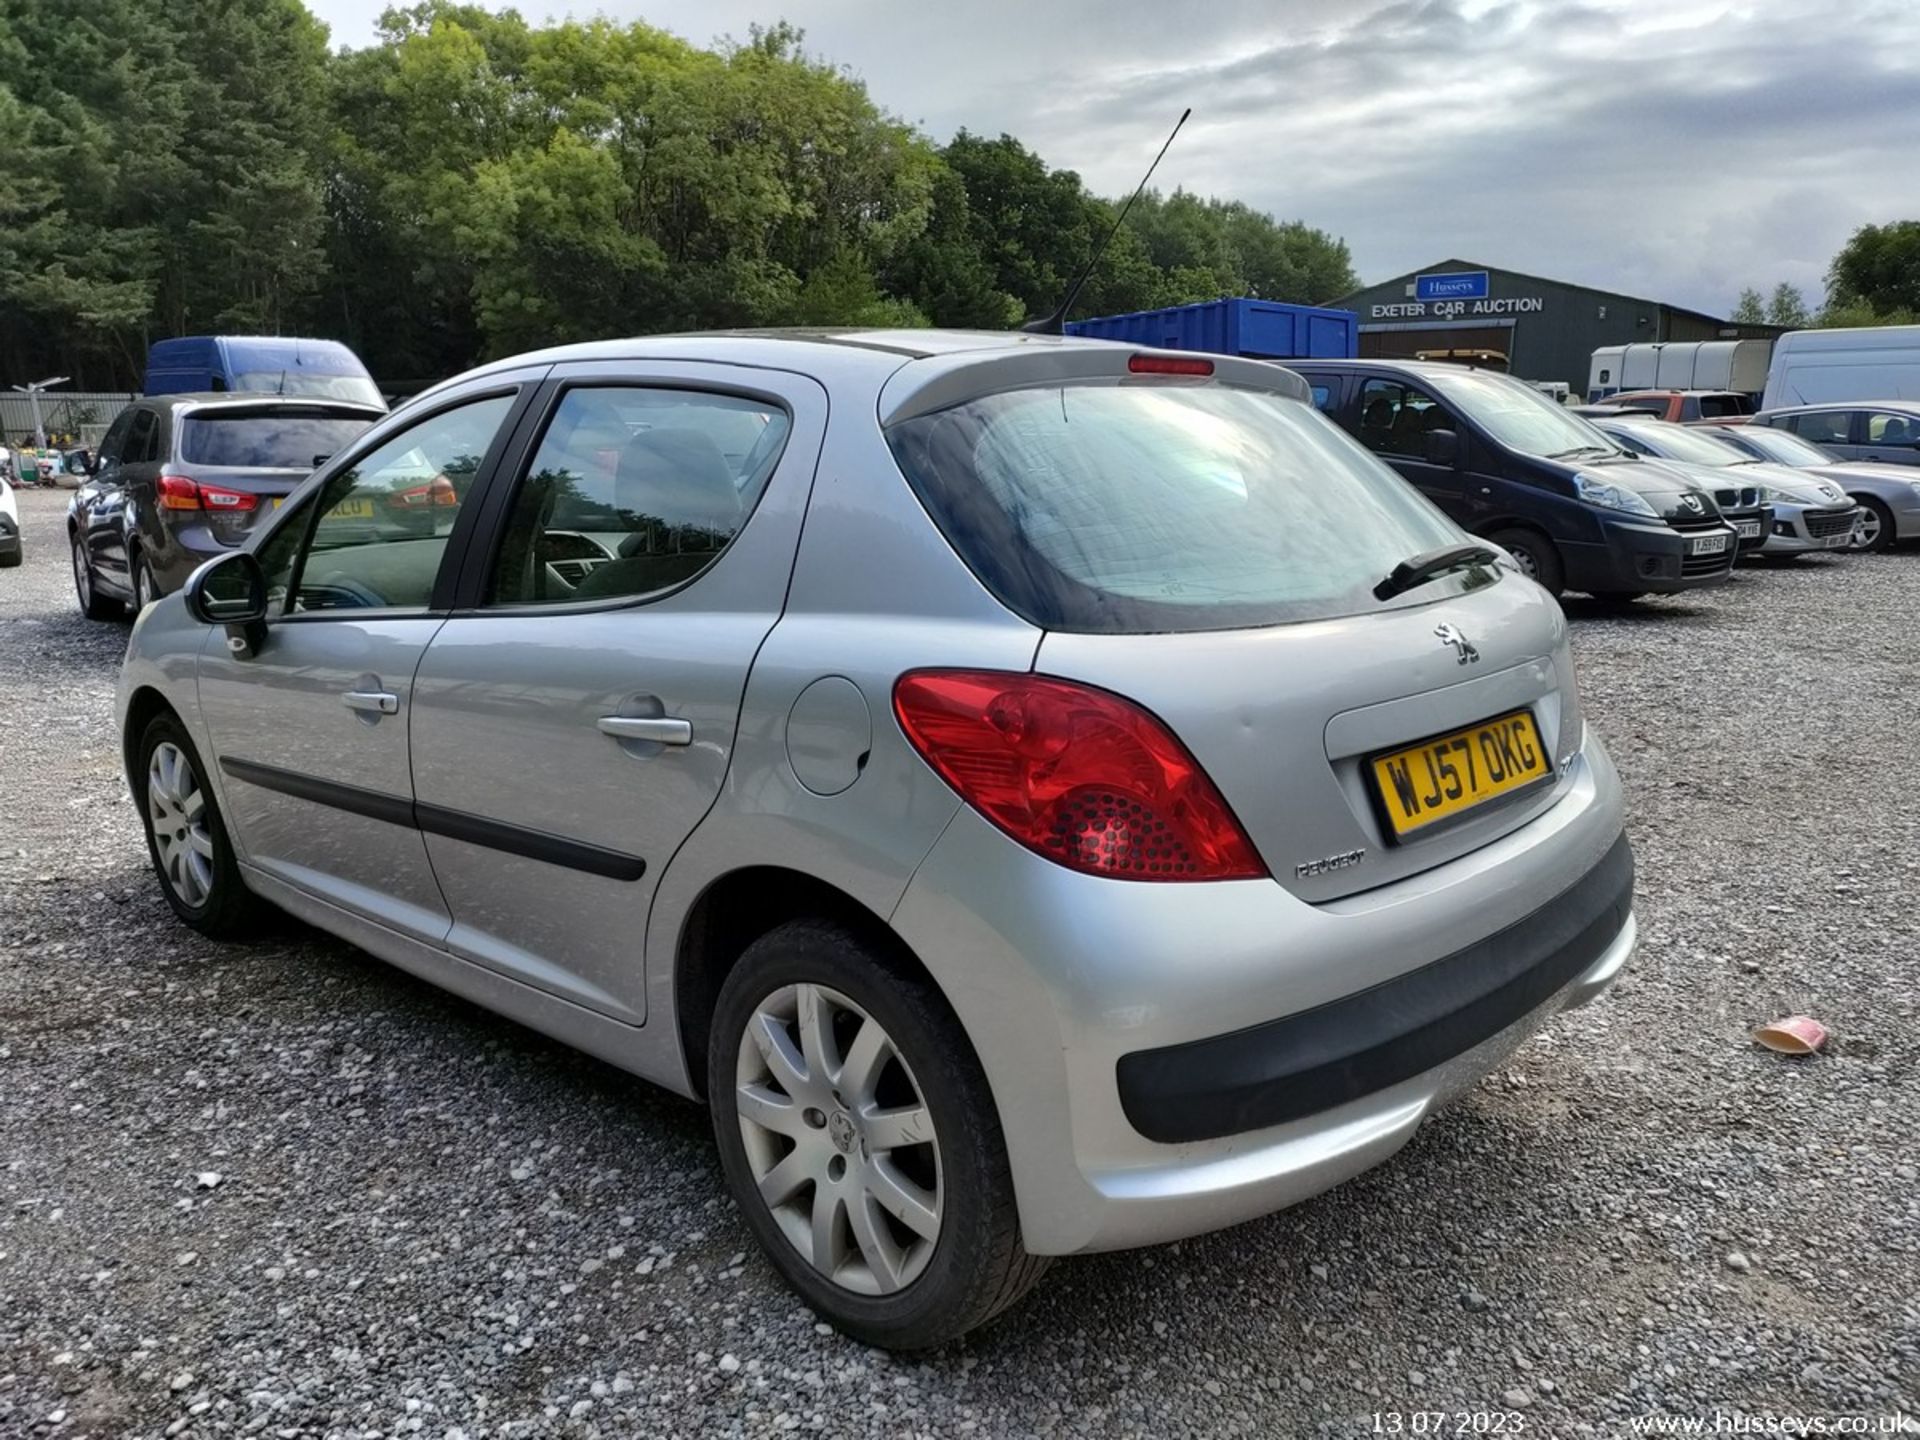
(1866, 529)
(840, 1139)
(142, 587)
(82, 575)
(177, 810)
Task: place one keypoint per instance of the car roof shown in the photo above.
(1439, 369)
(1910, 407)
(771, 344)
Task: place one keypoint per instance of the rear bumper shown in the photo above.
(1320, 1059)
(1059, 978)
(1643, 556)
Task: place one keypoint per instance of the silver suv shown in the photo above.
(1046, 796)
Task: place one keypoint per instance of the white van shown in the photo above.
(1813, 367)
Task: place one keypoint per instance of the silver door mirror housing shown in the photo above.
(230, 590)
(1443, 447)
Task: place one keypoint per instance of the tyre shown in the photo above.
(1874, 529)
(187, 837)
(144, 593)
(1618, 597)
(92, 604)
(11, 558)
(1537, 557)
(860, 1141)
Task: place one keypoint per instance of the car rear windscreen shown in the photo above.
(308, 382)
(1120, 506)
(274, 441)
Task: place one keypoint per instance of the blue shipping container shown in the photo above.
(1262, 328)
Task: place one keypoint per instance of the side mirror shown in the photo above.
(1443, 447)
(231, 591)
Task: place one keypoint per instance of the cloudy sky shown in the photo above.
(1676, 150)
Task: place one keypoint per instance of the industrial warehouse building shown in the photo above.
(1546, 329)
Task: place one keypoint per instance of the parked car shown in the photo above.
(261, 365)
(1574, 509)
(1726, 406)
(956, 824)
(1883, 432)
(179, 479)
(1741, 498)
(1808, 513)
(1889, 501)
(1842, 366)
(10, 542)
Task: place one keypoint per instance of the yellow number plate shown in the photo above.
(1450, 774)
(352, 509)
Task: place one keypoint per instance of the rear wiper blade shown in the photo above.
(1431, 564)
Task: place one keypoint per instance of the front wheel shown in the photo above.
(1536, 555)
(861, 1142)
(93, 605)
(1873, 528)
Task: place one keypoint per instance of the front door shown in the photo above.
(1395, 419)
(310, 731)
(574, 720)
(1889, 437)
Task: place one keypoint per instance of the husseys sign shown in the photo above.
(1449, 295)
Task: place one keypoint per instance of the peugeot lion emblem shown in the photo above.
(1692, 502)
(1450, 635)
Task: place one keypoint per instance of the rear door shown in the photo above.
(124, 513)
(310, 731)
(574, 720)
(1832, 430)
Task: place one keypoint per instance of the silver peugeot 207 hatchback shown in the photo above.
(1046, 796)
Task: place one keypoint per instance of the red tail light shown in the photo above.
(179, 493)
(1079, 775)
(438, 491)
(1168, 365)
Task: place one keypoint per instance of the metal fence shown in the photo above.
(83, 414)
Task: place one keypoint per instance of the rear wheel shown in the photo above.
(1537, 557)
(143, 592)
(1873, 530)
(187, 837)
(93, 605)
(860, 1140)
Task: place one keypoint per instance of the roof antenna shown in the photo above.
(1055, 324)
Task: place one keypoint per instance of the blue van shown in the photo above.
(260, 364)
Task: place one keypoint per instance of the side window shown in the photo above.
(115, 439)
(634, 491)
(380, 526)
(1395, 418)
(142, 442)
(278, 553)
(1822, 427)
(1629, 442)
(1322, 396)
(1884, 429)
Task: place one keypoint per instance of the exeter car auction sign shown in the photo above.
(1453, 294)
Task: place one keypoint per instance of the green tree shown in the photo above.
(1788, 307)
(1879, 267)
(1751, 308)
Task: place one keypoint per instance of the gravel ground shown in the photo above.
(283, 1189)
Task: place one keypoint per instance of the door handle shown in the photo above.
(661, 729)
(372, 702)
